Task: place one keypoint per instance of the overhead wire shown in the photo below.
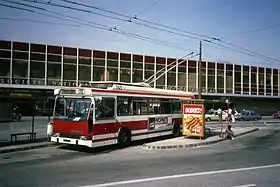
(96, 25)
(253, 53)
(37, 21)
(250, 51)
(136, 18)
(127, 19)
(139, 13)
(31, 11)
(243, 52)
(50, 3)
(250, 31)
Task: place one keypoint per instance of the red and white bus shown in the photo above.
(115, 113)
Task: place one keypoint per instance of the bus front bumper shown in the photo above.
(87, 143)
(72, 141)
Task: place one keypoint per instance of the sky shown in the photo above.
(250, 24)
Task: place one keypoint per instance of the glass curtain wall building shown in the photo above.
(43, 67)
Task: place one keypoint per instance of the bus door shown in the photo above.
(105, 115)
(91, 118)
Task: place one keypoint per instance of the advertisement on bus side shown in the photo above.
(193, 120)
(160, 122)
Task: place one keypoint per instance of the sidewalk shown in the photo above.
(25, 125)
(23, 147)
(181, 142)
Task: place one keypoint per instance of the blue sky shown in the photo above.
(230, 19)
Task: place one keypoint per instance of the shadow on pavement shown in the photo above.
(110, 148)
(264, 141)
(21, 142)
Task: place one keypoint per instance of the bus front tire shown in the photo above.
(124, 137)
(176, 131)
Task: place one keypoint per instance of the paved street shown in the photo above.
(228, 164)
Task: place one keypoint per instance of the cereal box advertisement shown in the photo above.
(193, 120)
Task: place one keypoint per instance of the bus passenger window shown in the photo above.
(104, 107)
(124, 106)
(165, 106)
(176, 107)
(140, 106)
(154, 106)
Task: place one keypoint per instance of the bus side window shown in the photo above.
(165, 106)
(140, 106)
(124, 106)
(104, 108)
(176, 106)
(154, 106)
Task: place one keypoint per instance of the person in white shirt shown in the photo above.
(220, 114)
(234, 113)
(229, 114)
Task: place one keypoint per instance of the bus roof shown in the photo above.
(119, 88)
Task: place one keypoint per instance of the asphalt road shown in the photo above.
(226, 164)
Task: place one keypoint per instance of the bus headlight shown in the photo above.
(56, 134)
(83, 137)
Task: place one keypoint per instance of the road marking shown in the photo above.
(246, 185)
(183, 175)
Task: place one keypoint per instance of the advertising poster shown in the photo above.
(193, 120)
(160, 122)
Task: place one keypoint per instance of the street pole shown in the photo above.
(199, 70)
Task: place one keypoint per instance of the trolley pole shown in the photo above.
(199, 70)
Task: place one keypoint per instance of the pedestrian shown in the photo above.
(229, 133)
(233, 115)
(220, 114)
(229, 114)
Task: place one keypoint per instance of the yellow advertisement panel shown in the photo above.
(193, 120)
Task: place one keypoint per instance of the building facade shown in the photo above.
(33, 70)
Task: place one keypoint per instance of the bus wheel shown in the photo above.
(124, 138)
(176, 131)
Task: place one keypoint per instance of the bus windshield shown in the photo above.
(75, 109)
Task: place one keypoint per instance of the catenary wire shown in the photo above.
(37, 21)
(97, 26)
(139, 13)
(252, 53)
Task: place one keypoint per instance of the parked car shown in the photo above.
(276, 115)
(248, 115)
(212, 115)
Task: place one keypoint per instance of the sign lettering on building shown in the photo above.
(13, 81)
(41, 82)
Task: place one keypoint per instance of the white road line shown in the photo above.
(183, 175)
(246, 185)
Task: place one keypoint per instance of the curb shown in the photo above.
(24, 148)
(181, 146)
